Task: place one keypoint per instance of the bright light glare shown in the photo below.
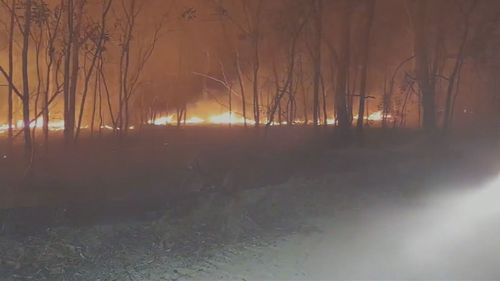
(456, 220)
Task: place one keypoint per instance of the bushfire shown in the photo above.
(231, 118)
(227, 118)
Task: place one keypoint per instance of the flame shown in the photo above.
(20, 124)
(376, 116)
(221, 119)
(107, 127)
(195, 120)
(54, 125)
(226, 118)
(331, 121)
(162, 121)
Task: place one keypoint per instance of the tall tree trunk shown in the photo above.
(94, 105)
(304, 94)
(95, 59)
(422, 66)
(26, 88)
(291, 104)
(280, 92)
(75, 65)
(457, 68)
(351, 91)
(50, 53)
(242, 89)
(256, 67)
(318, 26)
(124, 94)
(325, 110)
(114, 120)
(230, 102)
(364, 63)
(45, 115)
(38, 46)
(10, 93)
(101, 115)
(256, 62)
(68, 133)
(343, 69)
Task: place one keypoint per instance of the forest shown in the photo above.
(138, 132)
(82, 67)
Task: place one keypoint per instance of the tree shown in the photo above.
(255, 34)
(425, 68)
(74, 16)
(317, 12)
(343, 68)
(28, 146)
(98, 37)
(10, 94)
(294, 29)
(52, 28)
(453, 78)
(129, 78)
(370, 10)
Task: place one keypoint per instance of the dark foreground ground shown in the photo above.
(220, 204)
